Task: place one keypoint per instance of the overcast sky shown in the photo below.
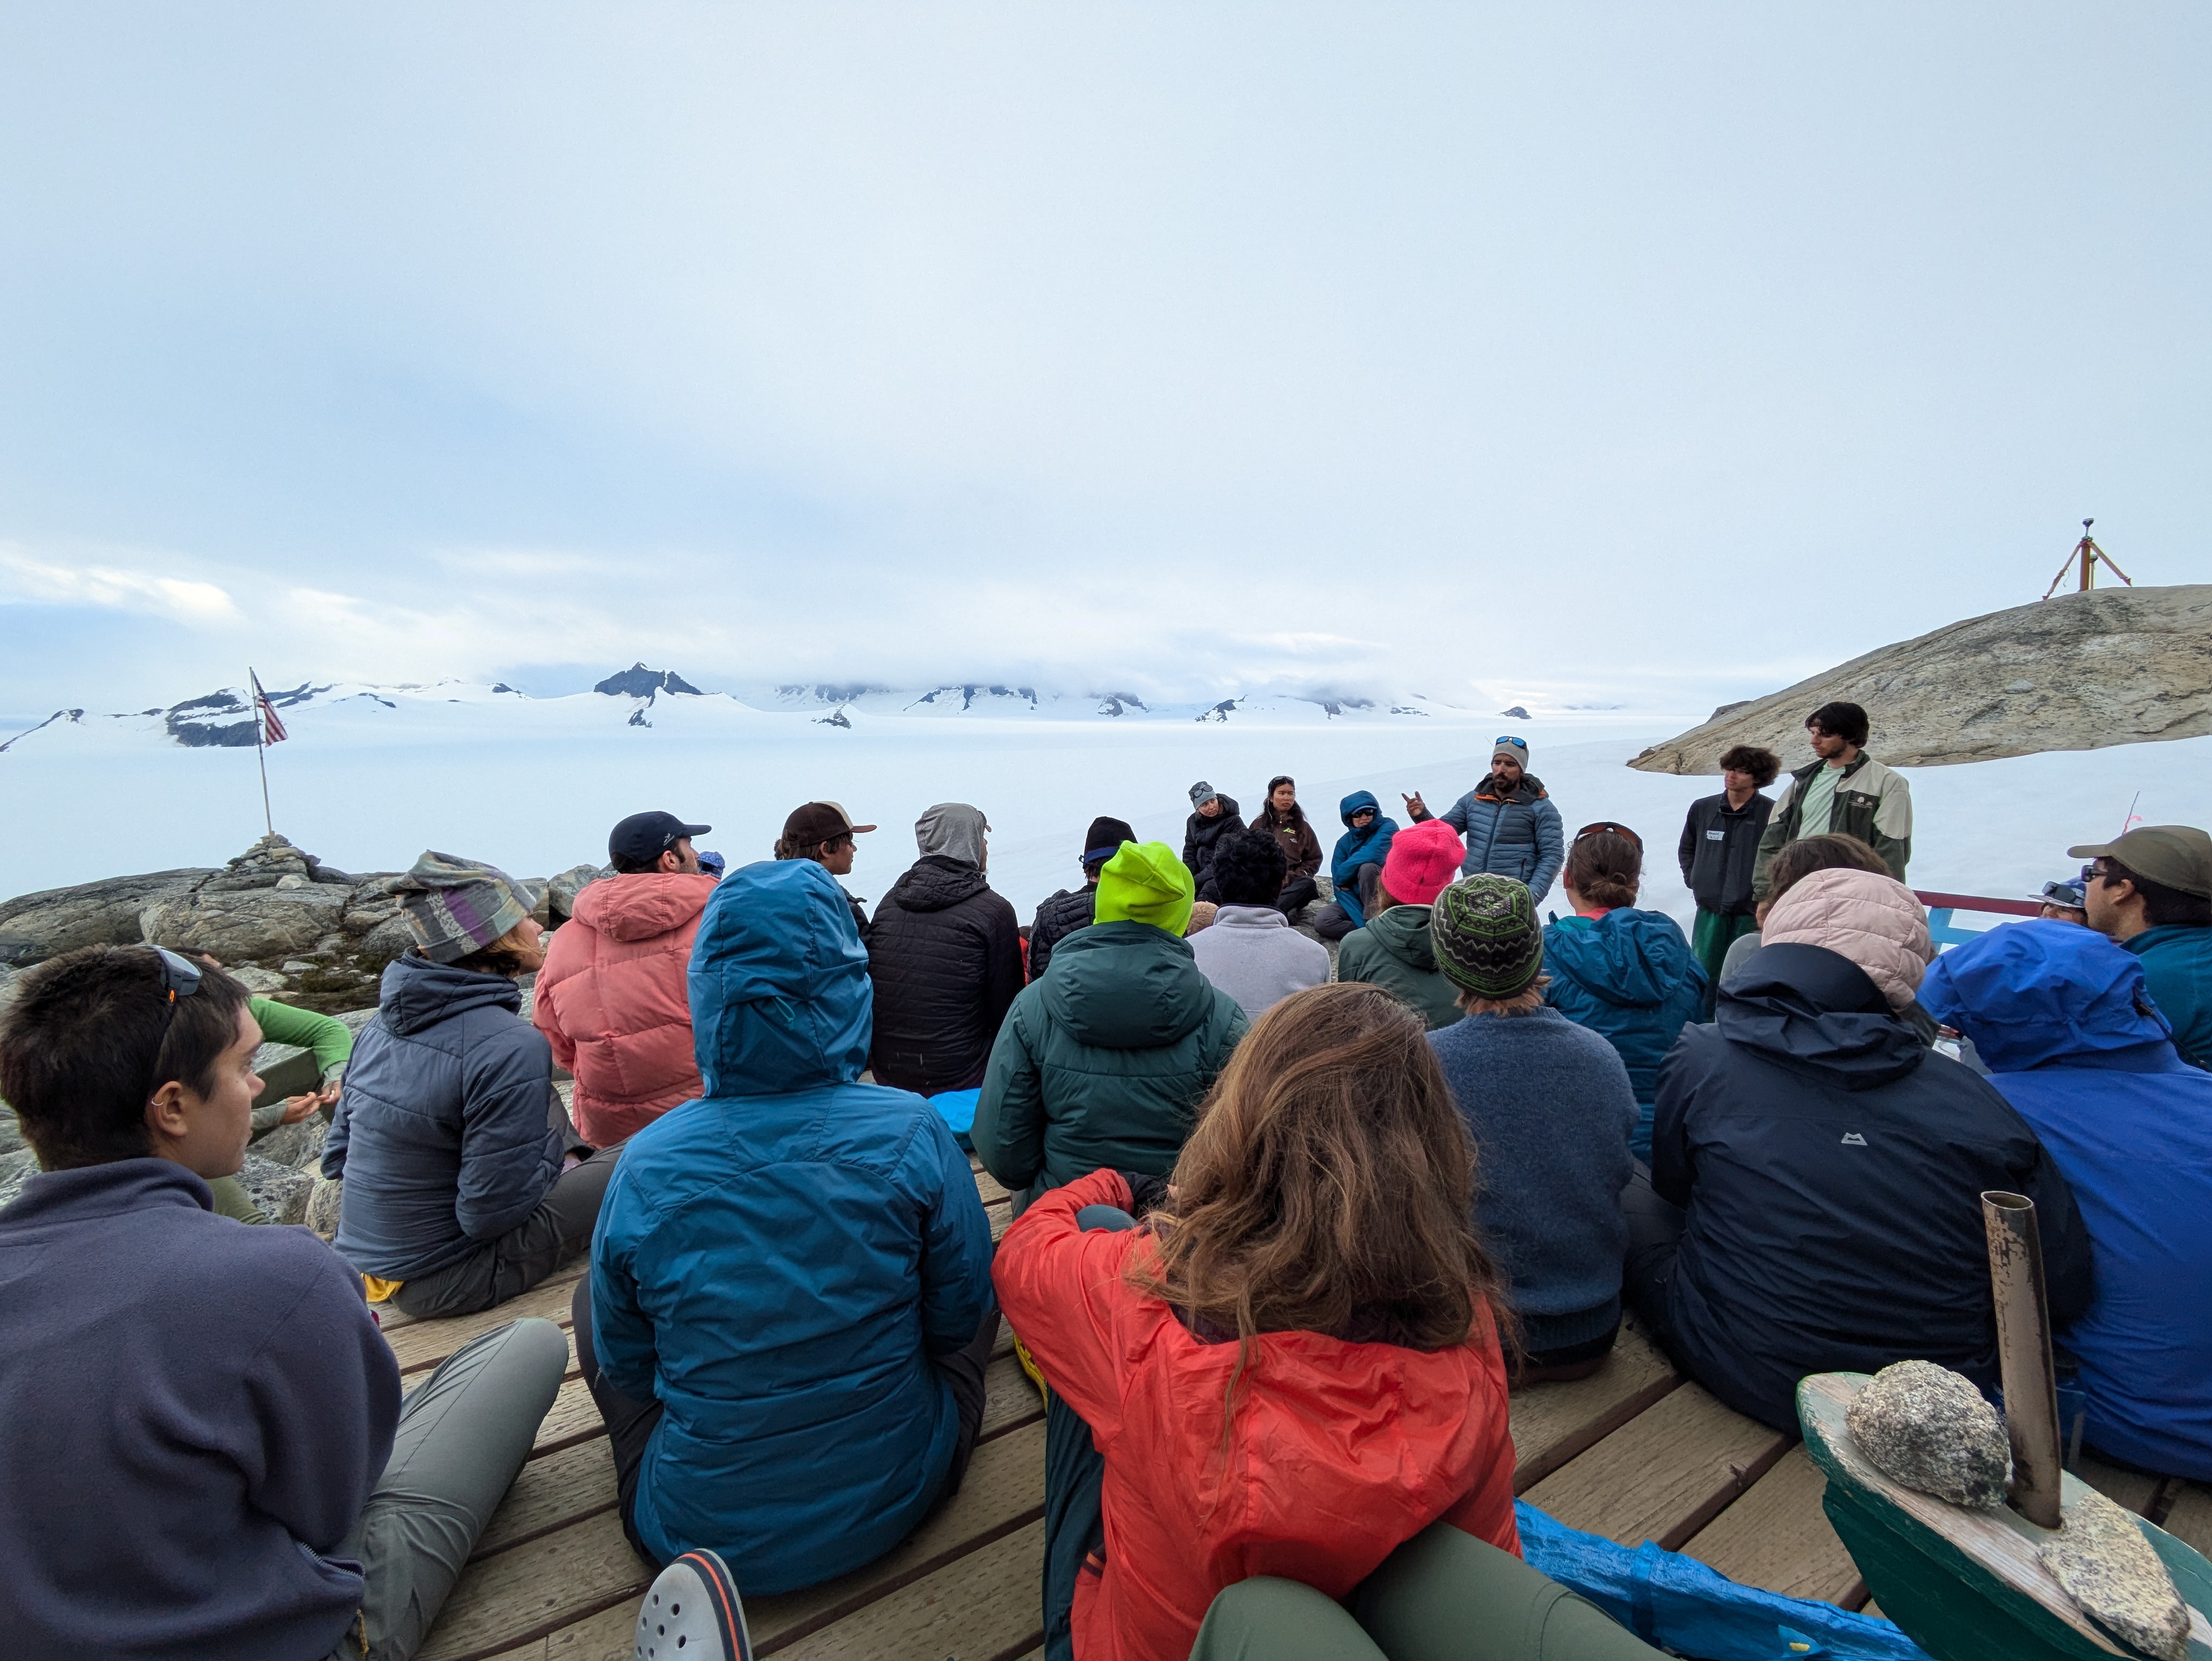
(1572, 352)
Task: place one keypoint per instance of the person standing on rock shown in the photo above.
(1844, 791)
(449, 1137)
(1718, 850)
(1512, 828)
(2151, 891)
(207, 1451)
(611, 999)
(1070, 908)
(822, 832)
(946, 958)
(1212, 816)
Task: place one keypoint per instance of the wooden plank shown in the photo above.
(574, 1418)
(1003, 1490)
(984, 1606)
(2189, 1518)
(502, 1602)
(1553, 1422)
(1665, 1474)
(1009, 1399)
(550, 1492)
(421, 1344)
(1777, 1536)
(2136, 1490)
(1001, 1216)
(989, 1189)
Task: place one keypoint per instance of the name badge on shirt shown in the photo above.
(1716, 836)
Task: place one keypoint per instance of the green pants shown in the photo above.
(1443, 1596)
(1710, 938)
(232, 1200)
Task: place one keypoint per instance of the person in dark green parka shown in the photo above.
(1104, 1060)
(1393, 950)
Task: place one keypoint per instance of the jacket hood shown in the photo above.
(2031, 992)
(416, 994)
(1628, 956)
(1816, 1011)
(1125, 986)
(779, 983)
(1875, 921)
(1403, 932)
(642, 905)
(935, 881)
(1353, 803)
(954, 830)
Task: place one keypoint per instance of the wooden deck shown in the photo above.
(1635, 1453)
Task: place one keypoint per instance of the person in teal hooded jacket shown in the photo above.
(789, 1308)
(1356, 867)
(1627, 975)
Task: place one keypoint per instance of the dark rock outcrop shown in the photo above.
(36, 927)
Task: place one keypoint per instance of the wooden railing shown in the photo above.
(1940, 906)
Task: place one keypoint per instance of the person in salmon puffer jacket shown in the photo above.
(612, 998)
(1237, 1388)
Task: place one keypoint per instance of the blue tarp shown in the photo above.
(957, 1109)
(1677, 1603)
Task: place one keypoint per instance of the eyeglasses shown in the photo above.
(1617, 830)
(2090, 873)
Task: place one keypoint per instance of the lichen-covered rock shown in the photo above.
(323, 1200)
(36, 927)
(11, 1133)
(1928, 1428)
(559, 902)
(299, 1146)
(15, 1170)
(245, 925)
(2101, 1560)
(279, 1191)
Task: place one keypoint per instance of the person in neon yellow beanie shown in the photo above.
(1145, 882)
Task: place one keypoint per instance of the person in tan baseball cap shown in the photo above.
(2151, 892)
(822, 832)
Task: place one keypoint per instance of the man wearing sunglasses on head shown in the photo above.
(1512, 827)
(206, 1453)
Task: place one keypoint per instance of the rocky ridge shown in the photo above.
(2121, 666)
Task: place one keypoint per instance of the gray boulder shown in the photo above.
(36, 927)
(560, 901)
(298, 1146)
(15, 1170)
(278, 1190)
(1929, 1428)
(286, 1070)
(242, 925)
(323, 1201)
(2101, 1560)
(388, 939)
(11, 1133)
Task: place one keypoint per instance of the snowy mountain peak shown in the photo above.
(639, 682)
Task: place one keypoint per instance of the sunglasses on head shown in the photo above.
(1617, 830)
(1510, 742)
(181, 978)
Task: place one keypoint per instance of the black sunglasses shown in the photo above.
(1617, 830)
(181, 978)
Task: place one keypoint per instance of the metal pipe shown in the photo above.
(2031, 1389)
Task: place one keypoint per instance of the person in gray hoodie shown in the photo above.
(1250, 951)
(1393, 950)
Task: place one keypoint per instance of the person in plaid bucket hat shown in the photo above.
(449, 1137)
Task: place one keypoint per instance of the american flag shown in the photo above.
(272, 728)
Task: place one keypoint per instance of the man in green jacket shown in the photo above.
(1845, 791)
(1104, 1060)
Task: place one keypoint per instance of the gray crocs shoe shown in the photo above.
(692, 1613)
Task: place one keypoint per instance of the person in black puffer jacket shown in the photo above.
(1071, 909)
(945, 954)
(1203, 833)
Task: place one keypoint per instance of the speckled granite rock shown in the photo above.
(1926, 1427)
(2106, 1566)
(322, 1202)
(15, 1170)
(279, 1191)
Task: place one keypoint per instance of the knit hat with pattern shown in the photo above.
(455, 906)
(1487, 941)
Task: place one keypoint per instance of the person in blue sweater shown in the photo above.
(1355, 868)
(789, 1309)
(2061, 1017)
(1549, 1105)
(207, 1456)
(1627, 975)
(1512, 828)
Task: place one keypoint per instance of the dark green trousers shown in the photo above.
(1710, 936)
(1443, 1596)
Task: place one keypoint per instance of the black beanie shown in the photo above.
(1104, 837)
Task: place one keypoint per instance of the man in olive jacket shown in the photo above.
(1845, 791)
(1103, 1061)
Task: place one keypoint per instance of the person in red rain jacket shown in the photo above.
(1257, 1400)
(612, 998)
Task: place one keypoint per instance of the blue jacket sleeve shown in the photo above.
(1456, 815)
(621, 1336)
(956, 1242)
(510, 1152)
(1551, 850)
(335, 1139)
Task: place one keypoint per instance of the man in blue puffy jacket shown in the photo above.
(1512, 829)
(789, 1309)
(2061, 1016)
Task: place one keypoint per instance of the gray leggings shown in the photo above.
(1443, 1596)
(464, 1433)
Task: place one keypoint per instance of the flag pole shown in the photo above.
(260, 755)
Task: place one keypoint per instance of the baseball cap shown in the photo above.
(2177, 855)
(2063, 893)
(644, 838)
(820, 821)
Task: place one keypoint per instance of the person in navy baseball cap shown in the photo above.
(653, 841)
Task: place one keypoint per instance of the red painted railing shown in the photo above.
(1976, 902)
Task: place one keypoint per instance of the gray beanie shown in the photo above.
(1202, 793)
(455, 906)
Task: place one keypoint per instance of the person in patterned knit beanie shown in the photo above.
(1486, 936)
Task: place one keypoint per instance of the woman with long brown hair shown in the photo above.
(1294, 1367)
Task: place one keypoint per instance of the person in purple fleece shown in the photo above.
(207, 1454)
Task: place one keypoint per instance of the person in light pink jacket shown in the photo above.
(613, 998)
(1875, 921)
